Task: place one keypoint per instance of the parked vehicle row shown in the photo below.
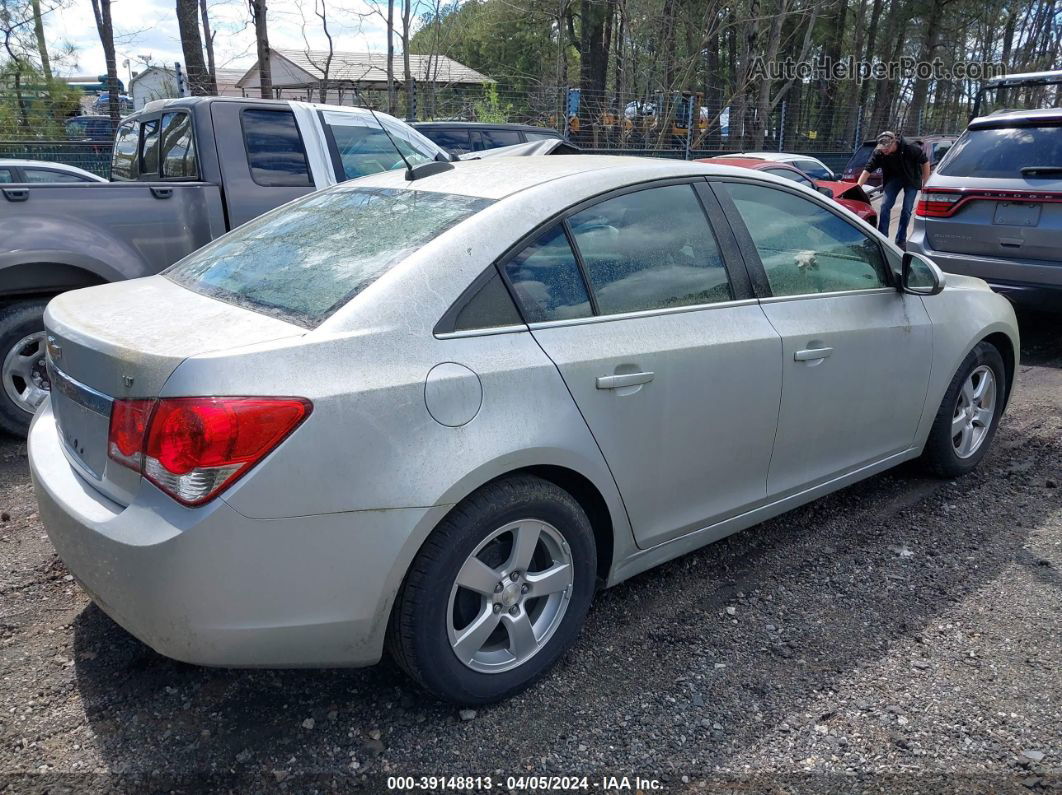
(529, 382)
(39, 172)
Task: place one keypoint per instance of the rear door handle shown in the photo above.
(16, 194)
(626, 379)
(162, 193)
(812, 354)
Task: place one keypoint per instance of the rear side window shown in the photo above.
(275, 153)
(178, 147)
(306, 259)
(547, 280)
(6, 175)
(813, 169)
(495, 138)
(785, 173)
(124, 160)
(149, 158)
(1002, 153)
(490, 307)
(452, 140)
(651, 249)
(540, 136)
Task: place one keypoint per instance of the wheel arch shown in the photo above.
(1006, 347)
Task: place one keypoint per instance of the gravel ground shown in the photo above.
(901, 635)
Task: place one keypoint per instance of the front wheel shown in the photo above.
(969, 414)
(498, 592)
(24, 376)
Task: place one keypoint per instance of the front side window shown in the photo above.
(651, 249)
(124, 159)
(804, 247)
(178, 147)
(6, 175)
(813, 169)
(547, 280)
(364, 148)
(789, 174)
(149, 158)
(275, 153)
(45, 176)
(306, 259)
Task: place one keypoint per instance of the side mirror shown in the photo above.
(825, 191)
(920, 275)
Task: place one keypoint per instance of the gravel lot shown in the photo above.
(901, 635)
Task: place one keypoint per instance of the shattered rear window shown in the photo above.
(305, 260)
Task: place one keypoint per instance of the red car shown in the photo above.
(849, 196)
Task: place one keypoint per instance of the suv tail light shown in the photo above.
(937, 205)
(195, 448)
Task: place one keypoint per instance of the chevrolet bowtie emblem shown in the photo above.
(55, 350)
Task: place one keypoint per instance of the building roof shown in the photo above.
(366, 68)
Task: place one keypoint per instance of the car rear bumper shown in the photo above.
(1028, 282)
(213, 587)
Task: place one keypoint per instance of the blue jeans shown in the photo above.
(892, 190)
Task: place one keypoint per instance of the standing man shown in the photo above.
(904, 166)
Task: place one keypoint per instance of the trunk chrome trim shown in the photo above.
(85, 396)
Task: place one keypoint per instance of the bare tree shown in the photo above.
(208, 40)
(101, 10)
(261, 35)
(324, 65)
(192, 45)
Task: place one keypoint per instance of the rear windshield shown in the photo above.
(303, 261)
(1003, 152)
(860, 158)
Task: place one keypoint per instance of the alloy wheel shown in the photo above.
(510, 596)
(24, 372)
(974, 411)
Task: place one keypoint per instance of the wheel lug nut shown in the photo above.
(498, 588)
(514, 576)
(514, 610)
(525, 588)
(497, 608)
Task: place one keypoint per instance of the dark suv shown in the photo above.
(994, 207)
(461, 137)
(935, 147)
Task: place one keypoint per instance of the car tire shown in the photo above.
(437, 624)
(21, 334)
(964, 418)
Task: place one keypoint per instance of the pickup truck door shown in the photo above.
(263, 158)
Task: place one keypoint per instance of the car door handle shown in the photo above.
(162, 193)
(626, 379)
(16, 194)
(812, 354)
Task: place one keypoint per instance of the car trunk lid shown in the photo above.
(123, 341)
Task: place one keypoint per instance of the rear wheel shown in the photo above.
(969, 414)
(24, 376)
(498, 592)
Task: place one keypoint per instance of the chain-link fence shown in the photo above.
(653, 123)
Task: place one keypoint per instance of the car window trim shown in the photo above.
(752, 255)
(152, 176)
(641, 313)
(298, 132)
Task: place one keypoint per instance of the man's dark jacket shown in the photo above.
(904, 164)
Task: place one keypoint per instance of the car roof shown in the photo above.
(1017, 118)
(477, 125)
(499, 177)
(746, 161)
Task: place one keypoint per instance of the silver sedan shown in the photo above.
(438, 414)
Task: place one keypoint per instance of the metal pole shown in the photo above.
(691, 102)
(781, 128)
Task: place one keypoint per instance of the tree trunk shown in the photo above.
(763, 99)
(208, 39)
(192, 46)
(261, 35)
(831, 89)
(925, 53)
(411, 113)
(101, 10)
(391, 57)
(42, 46)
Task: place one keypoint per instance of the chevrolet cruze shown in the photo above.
(436, 414)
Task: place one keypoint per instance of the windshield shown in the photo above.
(363, 148)
(1002, 152)
(303, 261)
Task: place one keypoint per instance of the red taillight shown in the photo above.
(194, 448)
(936, 204)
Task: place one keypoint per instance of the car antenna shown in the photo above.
(424, 169)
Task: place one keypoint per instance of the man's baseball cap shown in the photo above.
(886, 137)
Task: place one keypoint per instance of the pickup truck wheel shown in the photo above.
(26, 383)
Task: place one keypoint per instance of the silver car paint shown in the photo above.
(376, 471)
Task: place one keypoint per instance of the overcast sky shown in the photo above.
(149, 27)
